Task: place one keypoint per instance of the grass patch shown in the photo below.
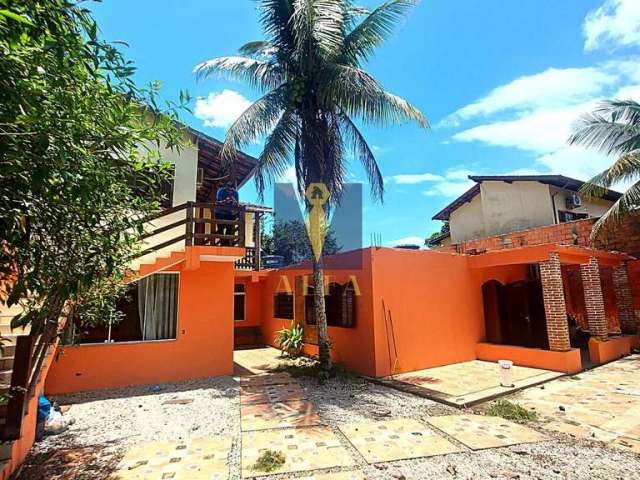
(306, 367)
(269, 461)
(511, 411)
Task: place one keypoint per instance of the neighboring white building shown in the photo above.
(508, 203)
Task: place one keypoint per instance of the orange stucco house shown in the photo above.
(202, 291)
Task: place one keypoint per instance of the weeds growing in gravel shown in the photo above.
(305, 367)
(269, 461)
(511, 411)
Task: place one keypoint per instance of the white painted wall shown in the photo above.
(594, 207)
(503, 207)
(509, 207)
(467, 222)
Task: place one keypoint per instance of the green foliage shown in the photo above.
(269, 461)
(291, 240)
(309, 67)
(511, 411)
(613, 129)
(78, 143)
(290, 340)
(310, 368)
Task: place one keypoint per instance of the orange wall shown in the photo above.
(351, 346)
(203, 348)
(435, 302)
(253, 302)
(21, 447)
(565, 362)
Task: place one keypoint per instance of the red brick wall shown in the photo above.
(625, 237)
(554, 303)
(593, 298)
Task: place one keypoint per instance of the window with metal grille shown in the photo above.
(283, 305)
(340, 306)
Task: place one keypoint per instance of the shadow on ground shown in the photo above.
(73, 462)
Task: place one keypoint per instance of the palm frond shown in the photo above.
(359, 95)
(628, 202)
(365, 156)
(277, 152)
(275, 17)
(260, 74)
(318, 27)
(257, 49)
(604, 134)
(360, 43)
(627, 111)
(625, 169)
(255, 122)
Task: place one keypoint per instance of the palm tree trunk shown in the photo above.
(324, 344)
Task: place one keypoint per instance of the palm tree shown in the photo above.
(309, 71)
(614, 129)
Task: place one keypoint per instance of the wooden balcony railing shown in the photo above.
(212, 224)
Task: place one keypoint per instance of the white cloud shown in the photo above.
(449, 188)
(221, 109)
(549, 89)
(289, 176)
(616, 23)
(543, 130)
(536, 114)
(413, 178)
(576, 162)
(412, 240)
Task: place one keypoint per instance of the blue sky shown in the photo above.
(500, 81)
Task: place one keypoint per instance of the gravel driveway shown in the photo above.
(107, 423)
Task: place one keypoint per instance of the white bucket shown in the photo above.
(505, 373)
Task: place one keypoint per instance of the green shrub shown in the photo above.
(290, 340)
(511, 411)
(269, 461)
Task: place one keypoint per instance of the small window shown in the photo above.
(565, 216)
(283, 305)
(239, 302)
(340, 306)
(149, 312)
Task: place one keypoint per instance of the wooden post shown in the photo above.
(257, 242)
(188, 241)
(22, 365)
(241, 223)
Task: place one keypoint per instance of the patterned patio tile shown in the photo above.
(398, 439)
(197, 459)
(478, 432)
(580, 430)
(278, 415)
(265, 379)
(271, 394)
(471, 382)
(304, 449)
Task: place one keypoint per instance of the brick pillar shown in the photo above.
(593, 300)
(554, 304)
(624, 301)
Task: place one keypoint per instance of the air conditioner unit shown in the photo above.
(574, 201)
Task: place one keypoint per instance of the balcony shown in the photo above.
(205, 224)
